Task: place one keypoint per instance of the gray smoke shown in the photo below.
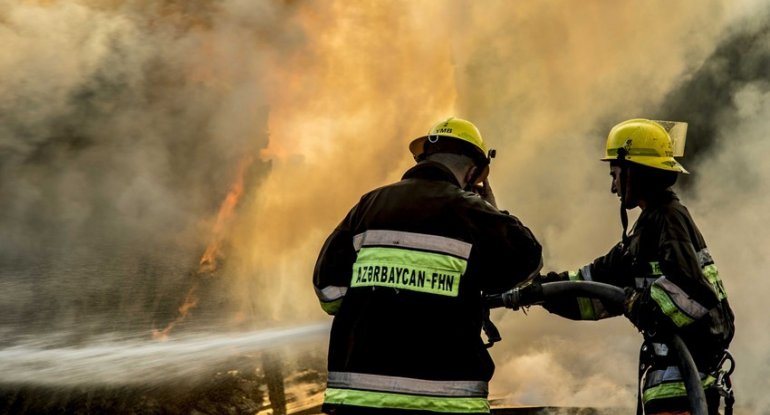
(727, 102)
(121, 128)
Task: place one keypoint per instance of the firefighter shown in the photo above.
(671, 281)
(404, 275)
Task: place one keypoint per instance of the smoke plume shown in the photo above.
(123, 125)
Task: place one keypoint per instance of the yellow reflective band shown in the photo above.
(407, 269)
(585, 304)
(633, 151)
(672, 390)
(402, 401)
(712, 275)
(586, 308)
(669, 308)
(575, 276)
(331, 307)
(655, 268)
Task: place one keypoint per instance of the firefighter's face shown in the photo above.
(615, 174)
(629, 199)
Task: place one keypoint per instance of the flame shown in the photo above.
(209, 261)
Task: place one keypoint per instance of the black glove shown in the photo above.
(631, 305)
(552, 277)
(531, 292)
(525, 294)
(642, 311)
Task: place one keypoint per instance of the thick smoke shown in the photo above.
(727, 102)
(122, 125)
(120, 130)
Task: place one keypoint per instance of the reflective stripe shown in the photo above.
(635, 151)
(669, 374)
(712, 275)
(704, 257)
(644, 282)
(407, 269)
(670, 388)
(660, 349)
(706, 263)
(330, 293)
(395, 384)
(655, 268)
(409, 402)
(331, 307)
(575, 276)
(586, 273)
(421, 241)
(585, 304)
(675, 303)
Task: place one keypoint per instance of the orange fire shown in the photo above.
(210, 259)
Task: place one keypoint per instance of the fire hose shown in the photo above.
(611, 294)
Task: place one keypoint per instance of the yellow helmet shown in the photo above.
(452, 127)
(644, 142)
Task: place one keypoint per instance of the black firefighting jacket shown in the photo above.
(667, 261)
(404, 274)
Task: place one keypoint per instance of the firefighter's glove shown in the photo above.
(528, 293)
(552, 277)
(636, 310)
(631, 304)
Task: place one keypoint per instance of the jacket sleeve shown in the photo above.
(511, 253)
(682, 293)
(603, 270)
(334, 267)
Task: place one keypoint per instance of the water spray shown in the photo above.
(141, 361)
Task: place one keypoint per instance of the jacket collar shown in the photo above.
(431, 170)
(663, 198)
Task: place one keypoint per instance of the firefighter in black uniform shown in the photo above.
(404, 275)
(672, 284)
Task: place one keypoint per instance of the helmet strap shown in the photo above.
(622, 190)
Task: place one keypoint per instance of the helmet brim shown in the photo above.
(661, 163)
(417, 146)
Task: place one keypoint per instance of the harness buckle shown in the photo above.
(724, 384)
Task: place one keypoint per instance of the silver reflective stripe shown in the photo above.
(704, 257)
(669, 374)
(413, 240)
(681, 299)
(330, 293)
(661, 349)
(644, 282)
(382, 383)
(586, 271)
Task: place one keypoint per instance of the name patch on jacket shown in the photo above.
(407, 278)
(410, 261)
(426, 272)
